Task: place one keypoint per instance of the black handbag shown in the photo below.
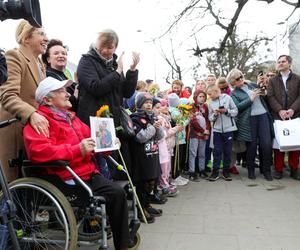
(126, 123)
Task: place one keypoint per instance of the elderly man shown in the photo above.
(284, 100)
(69, 139)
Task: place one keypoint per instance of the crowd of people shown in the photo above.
(227, 121)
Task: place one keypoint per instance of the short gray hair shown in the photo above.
(233, 75)
(107, 37)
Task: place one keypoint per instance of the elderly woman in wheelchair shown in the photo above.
(69, 140)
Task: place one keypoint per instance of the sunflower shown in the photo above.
(103, 111)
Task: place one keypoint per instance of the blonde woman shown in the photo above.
(25, 71)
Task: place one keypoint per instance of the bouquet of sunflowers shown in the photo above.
(185, 111)
(103, 111)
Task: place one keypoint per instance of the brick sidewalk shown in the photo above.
(237, 215)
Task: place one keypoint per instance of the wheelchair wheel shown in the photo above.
(137, 242)
(44, 217)
(89, 228)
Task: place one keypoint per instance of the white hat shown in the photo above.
(49, 84)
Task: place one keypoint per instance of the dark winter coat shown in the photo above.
(3, 69)
(145, 160)
(280, 99)
(101, 84)
(244, 103)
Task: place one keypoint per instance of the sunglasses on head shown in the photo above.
(270, 75)
(239, 78)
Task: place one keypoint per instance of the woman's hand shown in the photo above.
(39, 123)
(120, 64)
(254, 95)
(135, 60)
(87, 145)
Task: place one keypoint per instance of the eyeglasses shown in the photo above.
(239, 78)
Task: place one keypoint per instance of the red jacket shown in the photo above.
(196, 131)
(183, 93)
(62, 144)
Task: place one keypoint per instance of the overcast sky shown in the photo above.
(137, 21)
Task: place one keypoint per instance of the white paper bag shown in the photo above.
(287, 134)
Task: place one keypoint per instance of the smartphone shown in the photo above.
(261, 73)
(221, 107)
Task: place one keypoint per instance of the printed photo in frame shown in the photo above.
(103, 132)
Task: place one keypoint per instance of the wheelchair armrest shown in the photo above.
(60, 163)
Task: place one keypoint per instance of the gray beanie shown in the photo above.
(173, 100)
(141, 98)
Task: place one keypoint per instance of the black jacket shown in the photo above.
(100, 84)
(145, 156)
(59, 75)
(3, 69)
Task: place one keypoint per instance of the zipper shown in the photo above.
(221, 116)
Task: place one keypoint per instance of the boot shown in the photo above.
(251, 173)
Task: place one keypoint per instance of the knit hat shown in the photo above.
(141, 98)
(155, 101)
(173, 100)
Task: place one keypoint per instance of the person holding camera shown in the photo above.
(222, 111)
(25, 71)
(3, 68)
(253, 122)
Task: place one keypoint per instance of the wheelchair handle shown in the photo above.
(7, 122)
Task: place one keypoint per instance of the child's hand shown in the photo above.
(206, 132)
(180, 128)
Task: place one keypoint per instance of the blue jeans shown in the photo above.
(222, 147)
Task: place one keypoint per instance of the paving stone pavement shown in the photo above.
(236, 215)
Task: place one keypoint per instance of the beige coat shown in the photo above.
(17, 100)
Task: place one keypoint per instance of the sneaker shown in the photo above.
(194, 177)
(154, 211)
(294, 174)
(214, 175)
(226, 175)
(158, 199)
(149, 218)
(170, 192)
(233, 170)
(203, 174)
(268, 176)
(179, 182)
(277, 175)
(183, 178)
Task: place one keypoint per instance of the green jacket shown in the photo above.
(243, 103)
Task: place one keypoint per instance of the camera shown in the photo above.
(221, 107)
(17, 9)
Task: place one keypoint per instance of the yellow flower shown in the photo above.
(103, 111)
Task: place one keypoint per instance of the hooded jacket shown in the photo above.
(100, 84)
(223, 123)
(199, 121)
(62, 144)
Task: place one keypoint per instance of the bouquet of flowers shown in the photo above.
(185, 111)
(103, 111)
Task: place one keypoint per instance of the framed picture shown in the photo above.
(103, 132)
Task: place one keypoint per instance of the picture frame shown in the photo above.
(104, 133)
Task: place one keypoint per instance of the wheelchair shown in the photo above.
(51, 214)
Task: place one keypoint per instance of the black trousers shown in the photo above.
(261, 133)
(116, 207)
